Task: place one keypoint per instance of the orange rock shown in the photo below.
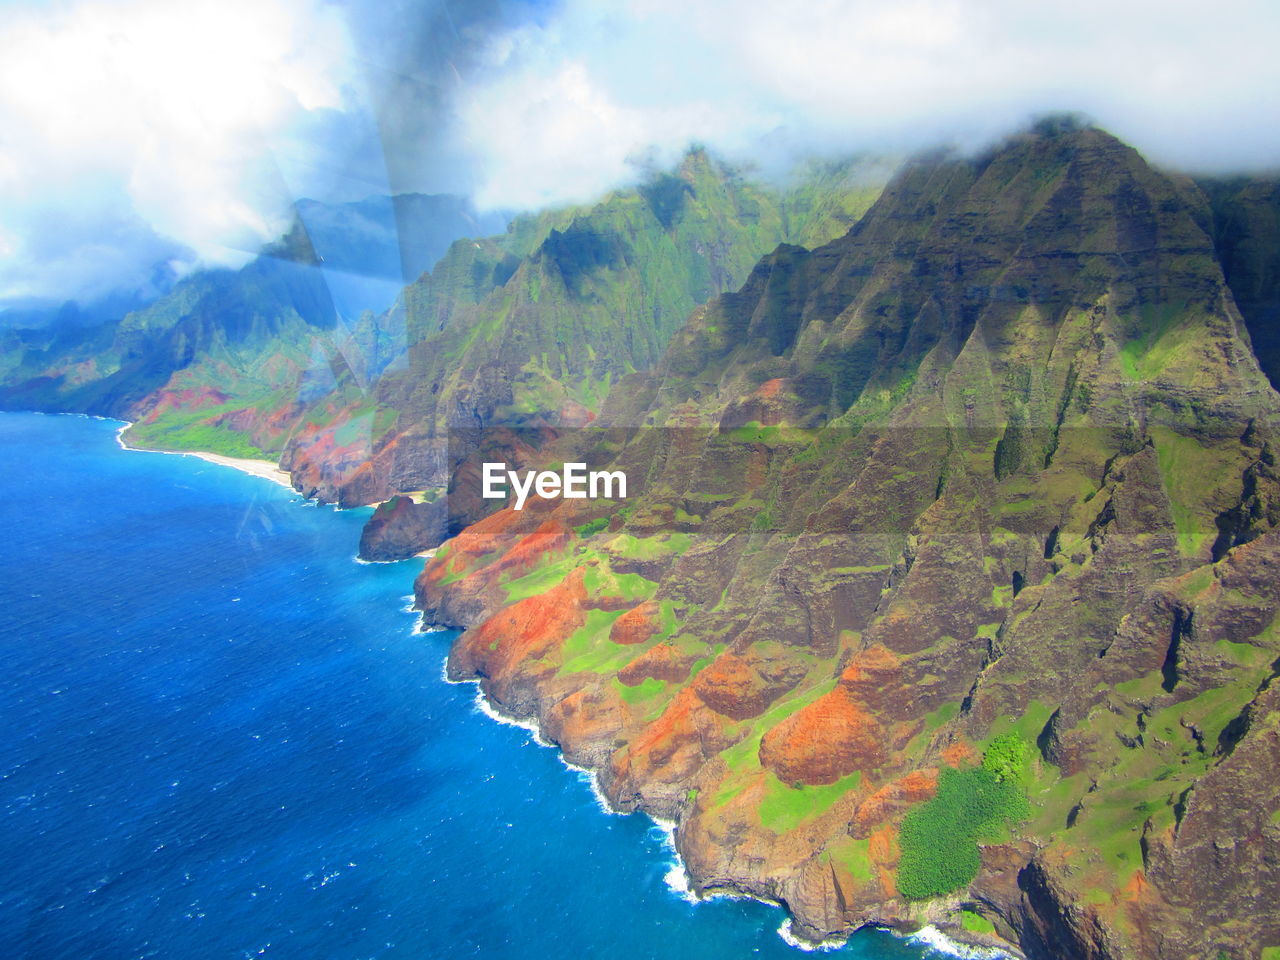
(636, 625)
(663, 662)
(824, 741)
(1135, 887)
(731, 686)
(770, 388)
(911, 788)
(959, 754)
(528, 629)
(874, 677)
(918, 785)
(529, 550)
(669, 749)
(586, 715)
(497, 532)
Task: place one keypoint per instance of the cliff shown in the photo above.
(948, 580)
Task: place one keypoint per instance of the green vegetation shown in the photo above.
(939, 839)
(852, 854)
(649, 687)
(191, 432)
(976, 922)
(1008, 759)
(784, 807)
(592, 526)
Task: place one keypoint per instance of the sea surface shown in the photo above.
(220, 737)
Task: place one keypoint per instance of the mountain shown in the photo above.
(945, 588)
(945, 585)
(221, 335)
(531, 327)
(1246, 234)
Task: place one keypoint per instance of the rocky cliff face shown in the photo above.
(948, 576)
(1246, 234)
(531, 329)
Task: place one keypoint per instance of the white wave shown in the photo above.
(933, 938)
(822, 946)
(677, 876)
(589, 777)
(370, 563)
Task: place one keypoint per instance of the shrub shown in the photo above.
(1008, 758)
(592, 526)
(939, 838)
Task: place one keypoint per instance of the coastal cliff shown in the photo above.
(949, 580)
(946, 583)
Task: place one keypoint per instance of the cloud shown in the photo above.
(564, 106)
(138, 129)
(139, 138)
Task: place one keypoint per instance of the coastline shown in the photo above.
(677, 878)
(256, 468)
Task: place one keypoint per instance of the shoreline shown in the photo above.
(677, 878)
(255, 468)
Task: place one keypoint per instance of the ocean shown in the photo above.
(223, 738)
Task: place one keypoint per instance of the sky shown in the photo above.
(141, 139)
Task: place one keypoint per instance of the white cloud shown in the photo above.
(563, 105)
(148, 117)
(134, 132)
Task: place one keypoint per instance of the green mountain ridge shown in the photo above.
(995, 467)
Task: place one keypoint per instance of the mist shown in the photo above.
(141, 139)
(568, 105)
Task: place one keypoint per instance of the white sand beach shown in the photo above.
(258, 468)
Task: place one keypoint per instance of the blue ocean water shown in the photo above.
(222, 739)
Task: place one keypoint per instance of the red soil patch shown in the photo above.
(636, 625)
(824, 741)
(770, 388)
(671, 744)
(911, 788)
(917, 785)
(585, 715)
(494, 532)
(529, 551)
(731, 686)
(873, 677)
(663, 662)
(959, 754)
(528, 629)
(1136, 886)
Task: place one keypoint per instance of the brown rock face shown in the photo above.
(636, 625)
(829, 739)
(401, 528)
(1038, 499)
(524, 631)
(736, 686)
(663, 662)
(667, 751)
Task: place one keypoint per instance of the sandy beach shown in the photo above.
(258, 468)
